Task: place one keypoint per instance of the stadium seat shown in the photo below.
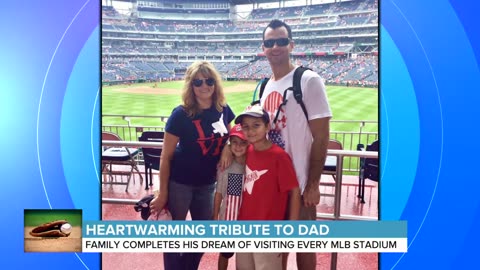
(118, 156)
(151, 156)
(330, 167)
(368, 169)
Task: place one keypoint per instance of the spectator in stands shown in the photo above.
(304, 140)
(195, 134)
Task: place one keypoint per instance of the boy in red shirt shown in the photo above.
(270, 190)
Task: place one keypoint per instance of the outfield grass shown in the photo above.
(38, 217)
(347, 103)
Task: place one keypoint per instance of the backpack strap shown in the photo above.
(262, 87)
(297, 88)
(262, 83)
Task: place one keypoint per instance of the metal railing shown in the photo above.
(348, 132)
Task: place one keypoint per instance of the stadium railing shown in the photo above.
(349, 133)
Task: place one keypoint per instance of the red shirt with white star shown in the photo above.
(269, 176)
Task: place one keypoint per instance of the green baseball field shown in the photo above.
(37, 217)
(150, 99)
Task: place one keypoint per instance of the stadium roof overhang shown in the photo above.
(235, 2)
(243, 2)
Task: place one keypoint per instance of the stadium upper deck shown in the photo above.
(359, 28)
(161, 31)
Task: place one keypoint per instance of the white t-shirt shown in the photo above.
(291, 131)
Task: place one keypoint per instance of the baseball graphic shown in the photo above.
(66, 228)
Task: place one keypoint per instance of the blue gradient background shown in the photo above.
(50, 121)
(430, 51)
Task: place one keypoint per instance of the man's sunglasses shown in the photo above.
(199, 82)
(269, 43)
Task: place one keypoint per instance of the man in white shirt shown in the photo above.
(304, 140)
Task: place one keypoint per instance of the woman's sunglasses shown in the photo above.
(199, 82)
(269, 43)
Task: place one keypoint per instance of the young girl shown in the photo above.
(270, 190)
(229, 186)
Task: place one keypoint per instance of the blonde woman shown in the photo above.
(195, 134)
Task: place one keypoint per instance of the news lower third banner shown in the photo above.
(243, 236)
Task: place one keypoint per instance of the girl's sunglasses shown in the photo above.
(199, 82)
(269, 43)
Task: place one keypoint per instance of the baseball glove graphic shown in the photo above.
(51, 229)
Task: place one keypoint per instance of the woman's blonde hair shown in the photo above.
(188, 96)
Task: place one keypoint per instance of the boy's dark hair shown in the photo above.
(274, 24)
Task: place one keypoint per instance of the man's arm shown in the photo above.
(320, 129)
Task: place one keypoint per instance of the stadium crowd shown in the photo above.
(337, 40)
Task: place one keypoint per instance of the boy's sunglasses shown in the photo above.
(199, 82)
(269, 43)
